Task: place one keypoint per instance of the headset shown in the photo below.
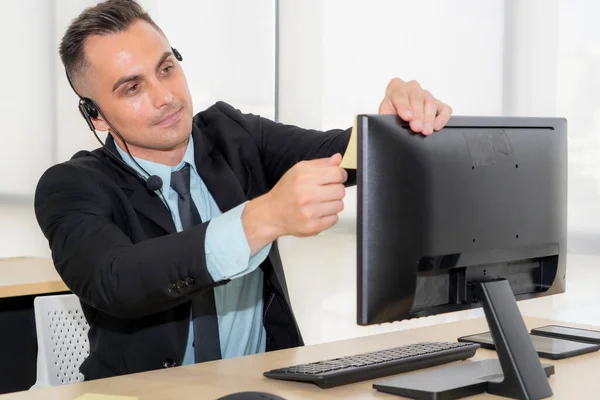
(89, 109)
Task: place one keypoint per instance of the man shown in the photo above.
(168, 233)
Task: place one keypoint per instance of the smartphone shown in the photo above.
(564, 332)
(546, 347)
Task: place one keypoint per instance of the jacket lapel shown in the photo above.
(145, 202)
(152, 207)
(217, 174)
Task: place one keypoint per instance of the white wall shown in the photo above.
(20, 234)
(26, 104)
(337, 56)
(577, 98)
(530, 57)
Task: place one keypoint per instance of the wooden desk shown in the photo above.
(21, 276)
(574, 377)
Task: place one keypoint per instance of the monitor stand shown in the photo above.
(517, 373)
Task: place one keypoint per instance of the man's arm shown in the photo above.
(282, 146)
(306, 196)
(98, 261)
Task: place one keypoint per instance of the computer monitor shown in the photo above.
(473, 215)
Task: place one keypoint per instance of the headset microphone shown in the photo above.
(154, 183)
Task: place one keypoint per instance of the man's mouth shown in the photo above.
(171, 118)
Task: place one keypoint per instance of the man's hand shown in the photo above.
(305, 201)
(425, 113)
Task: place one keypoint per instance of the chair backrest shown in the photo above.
(62, 339)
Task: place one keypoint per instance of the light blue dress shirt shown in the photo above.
(239, 303)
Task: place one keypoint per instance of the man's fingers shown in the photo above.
(430, 109)
(327, 222)
(328, 208)
(331, 192)
(424, 112)
(417, 106)
(401, 104)
(444, 113)
(334, 160)
(328, 175)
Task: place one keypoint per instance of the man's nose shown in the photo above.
(161, 95)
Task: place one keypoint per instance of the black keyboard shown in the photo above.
(362, 367)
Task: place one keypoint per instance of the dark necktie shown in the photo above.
(207, 346)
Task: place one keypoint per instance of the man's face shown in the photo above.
(140, 87)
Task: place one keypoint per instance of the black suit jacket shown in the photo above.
(116, 247)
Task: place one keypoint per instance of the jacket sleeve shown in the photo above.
(98, 261)
(282, 146)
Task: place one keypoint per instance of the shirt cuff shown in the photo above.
(227, 249)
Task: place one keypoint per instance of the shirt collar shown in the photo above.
(161, 170)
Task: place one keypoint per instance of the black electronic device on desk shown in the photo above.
(565, 332)
(471, 216)
(546, 347)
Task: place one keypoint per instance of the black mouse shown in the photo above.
(251, 396)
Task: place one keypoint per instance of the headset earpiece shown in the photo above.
(91, 107)
(88, 110)
(177, 54)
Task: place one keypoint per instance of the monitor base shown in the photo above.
(517, 373)
(448, 382)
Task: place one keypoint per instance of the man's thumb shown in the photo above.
(334, 160)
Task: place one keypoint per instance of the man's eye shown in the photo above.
(167, 69)
(132, 89)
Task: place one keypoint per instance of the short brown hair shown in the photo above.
(108, 17)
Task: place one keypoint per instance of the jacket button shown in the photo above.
(168, 363)
(189, 281)
(180, 285)
(172, 288)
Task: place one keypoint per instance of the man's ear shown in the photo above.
(100, 124)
